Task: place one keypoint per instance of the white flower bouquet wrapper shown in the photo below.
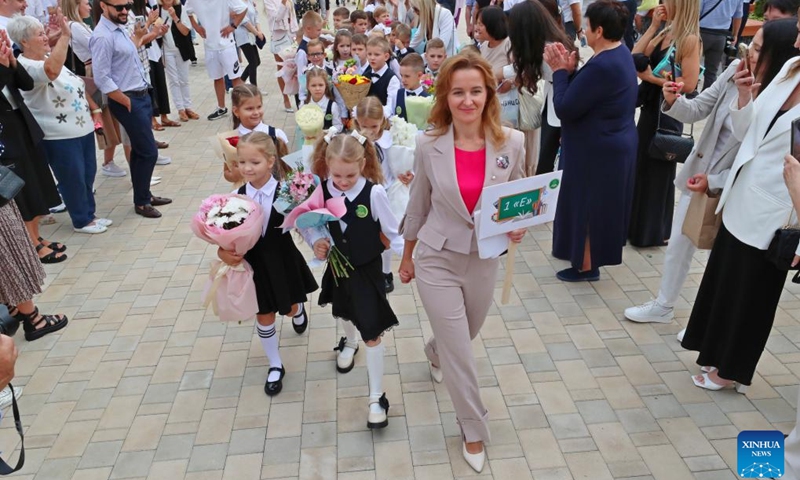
(311, 119)
(418, 109)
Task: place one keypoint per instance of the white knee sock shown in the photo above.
(297, 319)
(386, 257)
(375, 372)
(352, 338)
(269, 340)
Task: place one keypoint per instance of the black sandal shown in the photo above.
(53, 323)
(54, 246)
(51, 257)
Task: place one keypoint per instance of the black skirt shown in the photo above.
(39, 193)
(361, 298)
(281, 275)
(734, 309)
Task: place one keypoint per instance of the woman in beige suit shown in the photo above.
(466, 150)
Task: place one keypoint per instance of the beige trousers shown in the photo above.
(456, 291)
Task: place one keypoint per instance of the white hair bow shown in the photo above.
(332, 132)
(361, 138)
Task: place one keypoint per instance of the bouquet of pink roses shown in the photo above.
(297, 187)
(232, 222)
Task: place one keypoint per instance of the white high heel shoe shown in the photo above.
(709, 384)
(475, 460)
(437, 374)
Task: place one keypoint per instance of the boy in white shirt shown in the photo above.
(215, 21)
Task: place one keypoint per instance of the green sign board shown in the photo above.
(524, 203)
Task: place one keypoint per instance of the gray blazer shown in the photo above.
(436, 214)
(714, 104)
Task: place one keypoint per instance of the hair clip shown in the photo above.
(361, 138)
(332, 132)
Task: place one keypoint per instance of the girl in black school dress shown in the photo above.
(350, 167)
(280, 272)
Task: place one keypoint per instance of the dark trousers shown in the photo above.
(158, 78)
(713, 51)
(250, 52)
(550, 142)
(629, 37)
(143, 145)
(572, 32)
(74, 165)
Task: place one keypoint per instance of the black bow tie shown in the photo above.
(411, 94)
(375, 75)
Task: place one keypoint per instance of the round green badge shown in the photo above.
(362, 211)
(554, 184)
(329, 117)
(398, 110)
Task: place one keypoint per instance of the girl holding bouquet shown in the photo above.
(320, 91)
(371, 123)
(350, 166)
(280, 272)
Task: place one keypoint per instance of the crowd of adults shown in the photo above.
(74, 73)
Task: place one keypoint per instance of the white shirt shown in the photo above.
(379, 208)
(382, 147)
(566, 10)
(81, 33)
(336, 115)
(508, 4)
(391, 91)
(263, 127)
(215, 15)
(169, 40)
(242, 34)
(262, 196)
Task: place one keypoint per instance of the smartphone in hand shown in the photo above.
(796, 138)
(744, 54)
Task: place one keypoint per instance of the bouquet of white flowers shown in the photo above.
(401, 162)
(418, 109)
(310, 118)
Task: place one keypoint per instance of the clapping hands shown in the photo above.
(559, 58)
(6, 50)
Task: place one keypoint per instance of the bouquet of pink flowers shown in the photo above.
(288, 71)
(313, 216)
(297, 187)
(234, 223)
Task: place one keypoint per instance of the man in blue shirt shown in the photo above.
(715, 26)
(119, 74)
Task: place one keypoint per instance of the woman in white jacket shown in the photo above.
(738, 296)
(282, 27)
(435, 21)
(708, 165)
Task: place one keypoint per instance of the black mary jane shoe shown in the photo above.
(388, 282)
(303, 326)
(379, 420)
(274, 388)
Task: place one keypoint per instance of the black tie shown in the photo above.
(411, 94)
(376, 76)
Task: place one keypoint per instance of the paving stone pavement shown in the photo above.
(146, 384)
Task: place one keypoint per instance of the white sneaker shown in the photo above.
(650, 312)
(5, 396)
(112, 170)
(162, 160)
(59, 208)
(91, 228)
(106, 222)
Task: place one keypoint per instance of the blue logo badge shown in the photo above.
(760, 454)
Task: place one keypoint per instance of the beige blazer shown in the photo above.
(436, 214)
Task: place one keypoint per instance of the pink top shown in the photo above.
(470, 173)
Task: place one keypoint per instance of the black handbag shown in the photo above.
(10, 185)
(670, 145)
(783, 245)
(5, 468)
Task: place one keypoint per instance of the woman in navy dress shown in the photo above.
(596, 106)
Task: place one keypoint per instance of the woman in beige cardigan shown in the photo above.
(466, 150)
